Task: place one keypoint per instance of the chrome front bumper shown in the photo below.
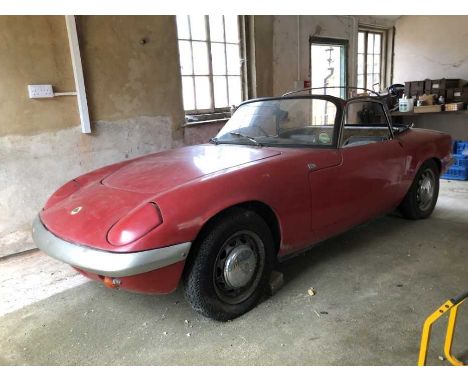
(114, 264)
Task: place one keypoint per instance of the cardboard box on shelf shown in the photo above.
(414, 88)
(428, 109)
(444, 84)
(454, 106)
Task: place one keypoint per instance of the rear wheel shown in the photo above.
(228, 273)
(422, 196)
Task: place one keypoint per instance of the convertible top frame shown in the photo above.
(336, 87)
(370, 96)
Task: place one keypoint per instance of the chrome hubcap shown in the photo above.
(426, 186)
(238, 267)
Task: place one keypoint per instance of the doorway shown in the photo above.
(328, 65)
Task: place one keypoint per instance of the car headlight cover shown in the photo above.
(135, 225)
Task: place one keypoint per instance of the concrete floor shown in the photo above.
(374, 285)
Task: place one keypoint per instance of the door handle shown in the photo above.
(311, 166)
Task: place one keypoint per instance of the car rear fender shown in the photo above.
(422, 146)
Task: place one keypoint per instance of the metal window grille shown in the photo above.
(210, 62)
(370, 59)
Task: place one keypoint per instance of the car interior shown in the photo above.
(365, 123)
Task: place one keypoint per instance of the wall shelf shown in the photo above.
(412, 113)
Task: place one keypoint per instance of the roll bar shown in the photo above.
(331, 87)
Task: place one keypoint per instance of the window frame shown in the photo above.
(345, 112)
(214, 110)
(383, 55)
(337, 125)
(317, 40)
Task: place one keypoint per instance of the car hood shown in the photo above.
(86, 216)
(163, 171)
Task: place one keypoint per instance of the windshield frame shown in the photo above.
(338, 102)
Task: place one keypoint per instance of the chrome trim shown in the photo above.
(106, 263)
(311, 166)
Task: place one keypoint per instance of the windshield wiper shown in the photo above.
(214, 140)
(245, 136)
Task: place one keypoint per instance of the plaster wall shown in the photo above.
(33, 166)
(263, 55)
(131, 67)
(34, 50)
(134, 98)
(201, 133)
(291, 54)
(433, 47)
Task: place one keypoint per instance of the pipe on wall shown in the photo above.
(78, 74)
(353, 61)
(298, 48)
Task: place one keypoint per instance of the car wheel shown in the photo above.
(228, 272)
(422, 196)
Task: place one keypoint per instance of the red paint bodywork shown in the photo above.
(190, 185)
(160, 281)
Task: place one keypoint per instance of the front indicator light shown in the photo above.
(135, 225)
(111, 282)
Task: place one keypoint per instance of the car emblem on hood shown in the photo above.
(75, 210)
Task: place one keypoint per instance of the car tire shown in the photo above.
(228, 271)
(422, 196)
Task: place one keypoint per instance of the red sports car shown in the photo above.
(283, 174)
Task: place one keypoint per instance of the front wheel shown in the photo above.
(229, 271)
(422, 196)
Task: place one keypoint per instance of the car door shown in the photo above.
(366, 183)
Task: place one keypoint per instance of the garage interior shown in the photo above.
(121, 89)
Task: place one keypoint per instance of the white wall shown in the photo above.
(431, 47)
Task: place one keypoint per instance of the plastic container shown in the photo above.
(456, 173)
(405, 105)
(461, 147)
(460, 160)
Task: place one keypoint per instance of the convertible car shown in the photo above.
(282, 175)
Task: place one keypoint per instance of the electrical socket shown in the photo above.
(40, 91)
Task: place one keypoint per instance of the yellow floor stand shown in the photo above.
(448, 306)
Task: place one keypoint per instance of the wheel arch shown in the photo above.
(417, 167)
(408, 206)
(437, 161)
(262, 209)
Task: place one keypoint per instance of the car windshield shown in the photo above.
(282, 122)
